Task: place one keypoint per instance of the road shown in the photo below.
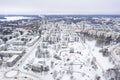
(19, 64)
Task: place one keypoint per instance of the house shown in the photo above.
(74, 37)
(44, 44)
(54, 38)
(39, 65)
(11, 53)
(92, 32)
(18, 42)
(12, 60)
(42, 53)
(108, 34)
(65, 37)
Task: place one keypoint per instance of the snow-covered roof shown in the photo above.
(13, 58)
(11, 52)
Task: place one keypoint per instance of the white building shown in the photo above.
(11, 53)
(39, 65)
(13, 60)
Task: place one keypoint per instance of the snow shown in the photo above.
(12, 73)
(82, 69)
(103, 61)
(78, 67)
(77, 60)
(14, 57)
(11, 52)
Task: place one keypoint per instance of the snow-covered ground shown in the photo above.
(77, 60)
(103, 61)
(72, 66)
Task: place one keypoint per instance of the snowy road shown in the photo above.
(19, 64)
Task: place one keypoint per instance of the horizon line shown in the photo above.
(58, 14)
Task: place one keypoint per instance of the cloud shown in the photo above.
(59, 6)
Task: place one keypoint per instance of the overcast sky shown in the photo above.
(59, 6)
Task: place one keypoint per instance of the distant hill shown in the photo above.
(2, 17)
(62, 16)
